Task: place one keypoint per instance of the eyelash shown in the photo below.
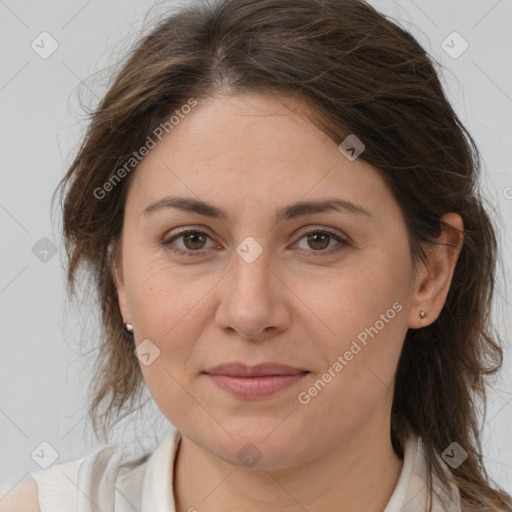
(189, 253)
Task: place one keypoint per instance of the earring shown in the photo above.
(423, 314)
(127, 327)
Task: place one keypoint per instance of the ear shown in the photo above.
(116, 267)
(433, 283)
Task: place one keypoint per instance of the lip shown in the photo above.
(258, 381)
(259, 370)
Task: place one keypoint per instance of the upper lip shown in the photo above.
(243, 370)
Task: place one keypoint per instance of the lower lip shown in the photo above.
(255, 387)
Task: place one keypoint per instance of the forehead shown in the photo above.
(258, 148)
(250, 126)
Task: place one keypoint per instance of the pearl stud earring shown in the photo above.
(127, 327)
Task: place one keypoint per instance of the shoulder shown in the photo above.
(112, 473)
(60, 487)
(56, 487)
(24, 497)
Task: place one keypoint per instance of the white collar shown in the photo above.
(409, 495)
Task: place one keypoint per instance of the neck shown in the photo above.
(358, 474)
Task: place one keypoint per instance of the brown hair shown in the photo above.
(361, 74)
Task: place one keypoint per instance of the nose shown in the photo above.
(253, 301)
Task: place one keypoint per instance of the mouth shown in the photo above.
(252, 382)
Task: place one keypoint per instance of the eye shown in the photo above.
(319, 240)
(194, 240)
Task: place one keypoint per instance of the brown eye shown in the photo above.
(319, 241)
(192, 241)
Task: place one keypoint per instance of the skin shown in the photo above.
(296, 303)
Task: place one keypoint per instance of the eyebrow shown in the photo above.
(197, 206)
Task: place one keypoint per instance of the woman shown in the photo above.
(281, 213)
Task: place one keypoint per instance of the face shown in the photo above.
(325, 292)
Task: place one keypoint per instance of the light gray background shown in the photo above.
(43, 377)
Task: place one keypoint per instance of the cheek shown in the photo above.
(364, 314)
(167, 306)
(168, 391)
(362, 359)
(166, 314)
(160, 294)
(365, 301)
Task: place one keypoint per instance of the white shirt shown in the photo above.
(113, 483)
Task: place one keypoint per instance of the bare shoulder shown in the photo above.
(23, 498)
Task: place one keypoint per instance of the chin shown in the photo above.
(259, 447)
